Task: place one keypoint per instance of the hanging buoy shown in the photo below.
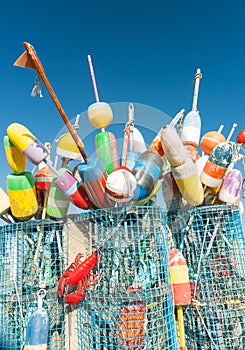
(231, 186)
(38, 327)
(22, 195)
(16, 160)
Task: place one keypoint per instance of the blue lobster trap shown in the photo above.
(212, 241)
(128, 302)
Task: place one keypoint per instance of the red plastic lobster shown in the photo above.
(78, 273)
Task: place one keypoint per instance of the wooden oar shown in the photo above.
(29, 59)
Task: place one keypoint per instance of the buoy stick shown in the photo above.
(198, 77)
(221, 128)
(178, 116)
(93, 78)
(128, 132)
(231, 132)
(29, 59)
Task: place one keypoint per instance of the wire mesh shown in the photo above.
(212, 241)
(32, 256)
(130, 304)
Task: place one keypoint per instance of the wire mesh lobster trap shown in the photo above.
(130, 306)
(212, 241)
(32, 256)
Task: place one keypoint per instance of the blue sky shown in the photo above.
(143, 51)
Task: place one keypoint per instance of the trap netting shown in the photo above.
(128, 303)
(212, 241)
(32, 256)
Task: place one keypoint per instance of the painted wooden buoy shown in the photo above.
(210, 140)
(58, 203)
(191, 129)
(217, 163)
(147, 171)
(67, 148)
(106, 150)
(188, 182)
(172, 145)
(200, 163)
(121, 185)
(16, 160)
(241, 137)
(100, 115)
(27, 143)
(231, 186)
(73, 190)
(94, 177)
(22, 195)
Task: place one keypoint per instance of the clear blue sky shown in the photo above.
(143, 51)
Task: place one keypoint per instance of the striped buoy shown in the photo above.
(179, 278)
(217, 163)
(100, 115)
(27, 143)
(94, 177)
(231, 186)
(67, 148)
(58, 203)
(73, 190)
(172, 145)
(16, 160)
(188, 182)
(22, 195)
(190, 132)
(147, 170)
(43, 178)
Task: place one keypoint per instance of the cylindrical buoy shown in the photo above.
(210, 140)
(16, 160)
(106, 150)
(191, 129)
(27, 143)
(22, 195)
(94, 177)
(43, 179)
(73, 190)
(200, 163)
(188, 182)
(121, 185)
(172, 145)
(216, 165)
(170, 191)
(231, 186)
(179, 278)
(58, 203)
(147, 171)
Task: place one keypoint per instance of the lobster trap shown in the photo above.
(128, 298)
(32, 257)
(130, 306)
(212, 241)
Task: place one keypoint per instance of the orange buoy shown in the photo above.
(210, 140)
